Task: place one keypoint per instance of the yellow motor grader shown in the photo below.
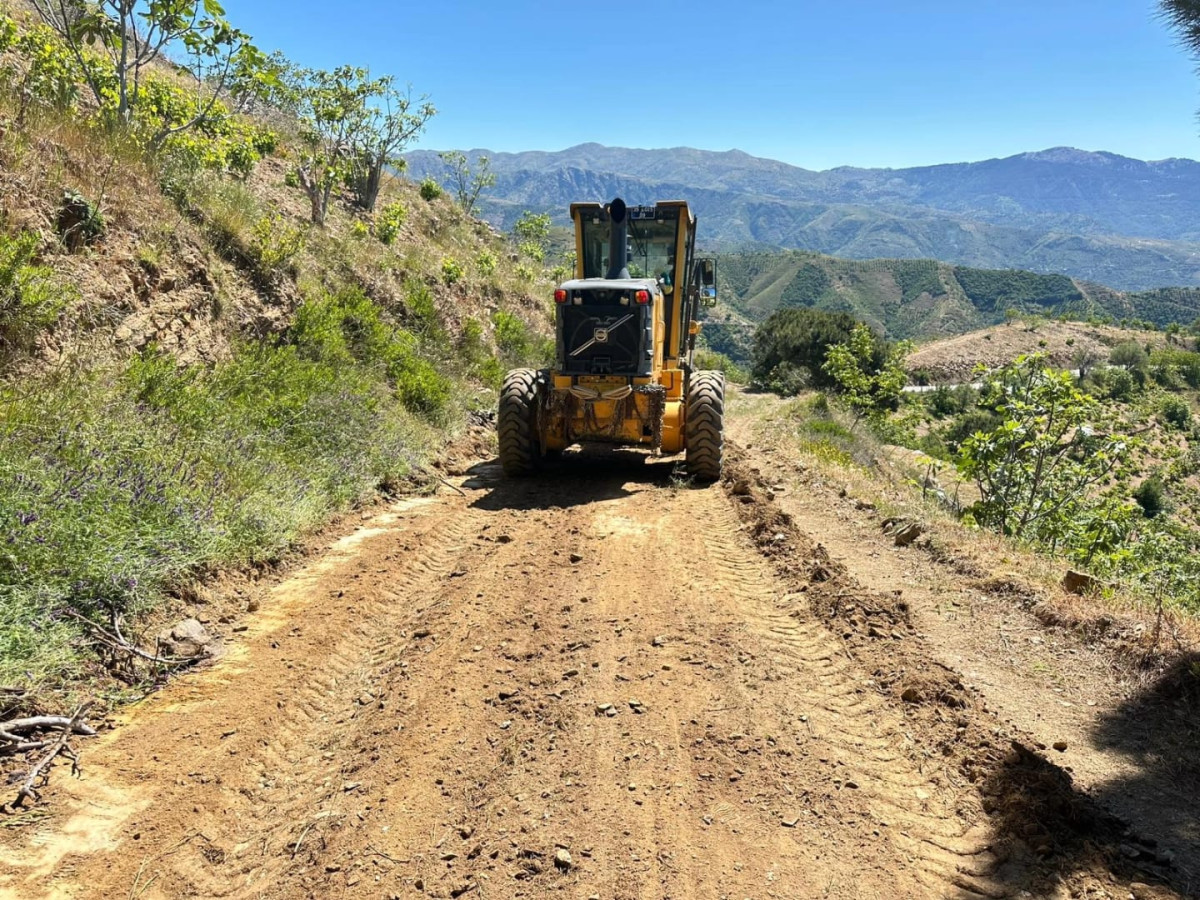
(626, 328)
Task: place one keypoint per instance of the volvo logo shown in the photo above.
(600, 335)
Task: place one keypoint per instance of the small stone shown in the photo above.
(659, 640)
(570, 673)
(576, 558)
(446, 857)
(1060, 746)
(906, 535)
(791, 822)
(351, 786)
(741, 488)
(562, 859)
(506, 724)
(911, 695)
(366, 700)
(421, 633)
(253, 604)
(1079, 583)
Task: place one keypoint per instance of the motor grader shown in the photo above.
(625, 329)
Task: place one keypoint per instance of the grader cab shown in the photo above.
(626, 328)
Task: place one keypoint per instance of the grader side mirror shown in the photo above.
(706, 276)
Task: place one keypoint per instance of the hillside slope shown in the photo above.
(1096, 216)
(194, 376)
(921, 299)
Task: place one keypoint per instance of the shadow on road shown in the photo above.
(576, 478)
(1058, 836)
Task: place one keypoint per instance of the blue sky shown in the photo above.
(817, 84)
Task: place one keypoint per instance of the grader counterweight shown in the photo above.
(626, 328)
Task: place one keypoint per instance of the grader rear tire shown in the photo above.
(516, 425)
(704, 430)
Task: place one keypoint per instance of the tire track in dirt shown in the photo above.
(198, 795)
(845, 727)
(595, 684)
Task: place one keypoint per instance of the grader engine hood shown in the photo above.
(607, 327)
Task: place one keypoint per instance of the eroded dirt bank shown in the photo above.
(595, 684)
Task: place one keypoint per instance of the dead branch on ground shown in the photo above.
(59, 746)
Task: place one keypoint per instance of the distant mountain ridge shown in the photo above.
(1091, 215)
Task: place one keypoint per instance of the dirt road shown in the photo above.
(597, 684)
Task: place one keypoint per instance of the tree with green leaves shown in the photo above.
(800, 338)
(353, 127)
(468, 182)
(393, 118)
(114, 41)
(1038, 470)
(870, 386)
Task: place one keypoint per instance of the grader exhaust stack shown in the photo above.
(625, 328)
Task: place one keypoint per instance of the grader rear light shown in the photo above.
(642, 297)
(560, 296)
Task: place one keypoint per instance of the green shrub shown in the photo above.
(430, 190)
(968, 423)
(348, 328)
(1114, 383)
(1129, 355)
(802, 338)
(786, 380)
(452, 272)
(359, 230)
(421, 307)
(389, 222)
(1169, 365)
(531, 250)
(30, 296)
(275, 243)
(37, 67)
(1151, 496)
(115, 487)
(711, 360)
(944, 401)
(485, 262)
(1174, 411)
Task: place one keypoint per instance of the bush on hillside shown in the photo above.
(30, 296)
(802, 338)
(430, 190)
(711, 360)
(1174, 411)
(1151, 496)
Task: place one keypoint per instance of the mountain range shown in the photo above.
(1096, 216)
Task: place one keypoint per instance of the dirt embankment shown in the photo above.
(595, 684)
(1068, 345)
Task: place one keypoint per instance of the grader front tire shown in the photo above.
(704, 430)
(516, 425)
